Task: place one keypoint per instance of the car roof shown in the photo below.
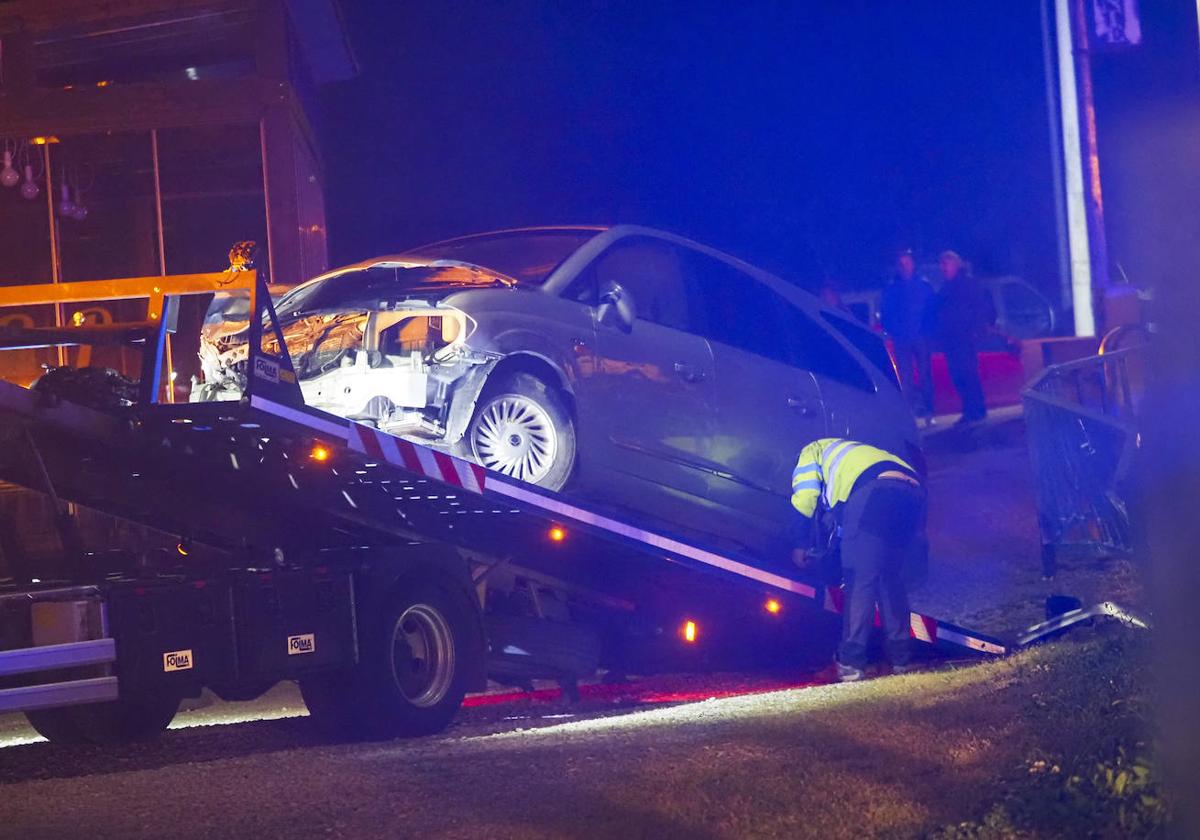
(505, 231)
(411, 257)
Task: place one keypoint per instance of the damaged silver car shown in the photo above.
(643, 370)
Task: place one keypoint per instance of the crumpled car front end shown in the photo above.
(399, 369)
(376, 345)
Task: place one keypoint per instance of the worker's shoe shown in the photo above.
(848, 673)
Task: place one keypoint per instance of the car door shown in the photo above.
(848, 393)
(652, 393)
(768, 403)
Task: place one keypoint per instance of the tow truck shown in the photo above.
(231, 545)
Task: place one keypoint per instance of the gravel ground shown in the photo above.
(895, 757)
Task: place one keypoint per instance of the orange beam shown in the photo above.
(154, 288)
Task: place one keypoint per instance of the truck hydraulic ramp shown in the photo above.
(231, 545)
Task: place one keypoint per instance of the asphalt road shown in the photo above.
(895, 757)
(522, 768)
(249, 769)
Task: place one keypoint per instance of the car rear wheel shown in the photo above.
(522, 429)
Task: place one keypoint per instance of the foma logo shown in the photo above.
(306, 643)
(177, 660)
(266, 369)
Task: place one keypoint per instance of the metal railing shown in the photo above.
(1082, 419)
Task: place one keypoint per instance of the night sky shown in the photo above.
(809, 138)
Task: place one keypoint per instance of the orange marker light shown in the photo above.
(319, 453)
(557, 534)
(689, 631)
(772, 606)
(182, 549)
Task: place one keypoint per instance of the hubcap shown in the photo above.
(422, 655)
(515, 436)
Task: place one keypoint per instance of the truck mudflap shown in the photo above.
(248, 628)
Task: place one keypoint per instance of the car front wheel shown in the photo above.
(522, 428)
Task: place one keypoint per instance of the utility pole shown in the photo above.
(1085, 221)
(1091, 151)
(1056, 156)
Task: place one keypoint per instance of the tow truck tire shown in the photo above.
(413, 673)
(56, 726)
(140, 718)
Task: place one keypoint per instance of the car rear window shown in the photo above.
(866, 342)
(526, 256)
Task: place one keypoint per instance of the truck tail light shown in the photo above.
(689, 631)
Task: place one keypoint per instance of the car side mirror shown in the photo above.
(616, 307)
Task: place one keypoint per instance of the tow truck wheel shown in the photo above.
(56, 726)
(413, 673)
(123, 721)
(522, 428)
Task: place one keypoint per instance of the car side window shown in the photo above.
(1026, 313)
(738, 311)
(741, 311)
(818, 351)
(867, 342)
(651, 272)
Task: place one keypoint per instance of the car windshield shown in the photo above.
(379, 286)
(529, 257)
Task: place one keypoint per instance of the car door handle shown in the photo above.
(805, 407)
(689, 373)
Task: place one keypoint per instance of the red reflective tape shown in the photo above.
(835, 599)
(480, 476)
(931, 627)
(371, 443)
(408, 455)
(446, 465)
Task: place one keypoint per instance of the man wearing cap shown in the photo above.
(906, 314)
(879, 502)
(964, 314)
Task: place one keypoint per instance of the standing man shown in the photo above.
(906, 313)
(879, 502)
(964, 313)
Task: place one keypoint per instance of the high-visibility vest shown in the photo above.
(828, 468)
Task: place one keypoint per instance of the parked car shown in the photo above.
(626, 365)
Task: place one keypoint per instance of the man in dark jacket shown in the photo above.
(964, 313)
(905, 312)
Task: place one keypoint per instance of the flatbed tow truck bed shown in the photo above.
(275, 541)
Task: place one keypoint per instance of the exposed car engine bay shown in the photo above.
(396, 361)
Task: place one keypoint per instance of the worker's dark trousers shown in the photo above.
(962, 362)
(883, 528)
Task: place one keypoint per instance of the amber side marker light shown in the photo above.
(557, 534)
(689, 631)
(319, 453)
(773, 606)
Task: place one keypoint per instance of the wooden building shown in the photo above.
(145, 137)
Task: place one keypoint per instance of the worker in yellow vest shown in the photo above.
(879, 503)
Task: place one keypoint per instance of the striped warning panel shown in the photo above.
(418, 459)
(927, 629)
